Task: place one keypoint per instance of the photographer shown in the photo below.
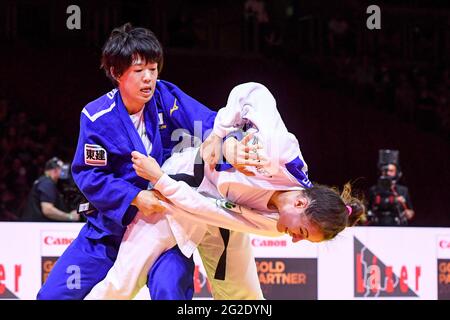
(45, 203)
(389, 201)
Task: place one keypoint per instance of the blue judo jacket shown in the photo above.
(102, 167)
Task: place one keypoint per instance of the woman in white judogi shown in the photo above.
(278, 198)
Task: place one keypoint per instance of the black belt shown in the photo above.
(85, 207)
(199, 173)
(195, 181)
(222, 264)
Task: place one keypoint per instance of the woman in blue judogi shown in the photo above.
(141, 114)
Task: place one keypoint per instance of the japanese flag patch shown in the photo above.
(95, 155)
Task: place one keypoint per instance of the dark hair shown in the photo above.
(127, 43)
(328, 209)
(53, 163)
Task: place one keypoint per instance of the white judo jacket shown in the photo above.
(250, 107)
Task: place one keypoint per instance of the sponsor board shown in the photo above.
(288, 278)
(361, 263)
(443, 279)
(377, 278)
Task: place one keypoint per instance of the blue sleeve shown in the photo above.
(184, 111)
(105, 184)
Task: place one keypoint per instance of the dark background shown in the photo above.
(345, 91)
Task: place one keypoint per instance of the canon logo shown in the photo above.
(268, 243)
(57, 241)
(444, 244)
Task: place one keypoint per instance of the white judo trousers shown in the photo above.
(193, 220)
(147, 237)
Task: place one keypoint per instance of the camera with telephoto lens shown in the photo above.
(72, 196)
(385, 208)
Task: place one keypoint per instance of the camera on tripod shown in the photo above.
(385, 209)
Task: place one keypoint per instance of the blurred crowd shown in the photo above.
(25, 146)
(402, 68)
(417, 93)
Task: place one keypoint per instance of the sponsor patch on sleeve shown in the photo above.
(95, 155)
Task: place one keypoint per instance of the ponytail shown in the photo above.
(330, 211)
(357, 206)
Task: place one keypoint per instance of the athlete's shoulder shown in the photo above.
(166, 86)
(249, 87)
(100, 106)
(168, 94)
(284, 146)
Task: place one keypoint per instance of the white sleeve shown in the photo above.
(249, 101)
(205, 210)
(288, 145)
(255, 103)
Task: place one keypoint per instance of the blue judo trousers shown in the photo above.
(170, 278)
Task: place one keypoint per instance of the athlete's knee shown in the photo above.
(171, 277)
(44, 294)
(48, 292)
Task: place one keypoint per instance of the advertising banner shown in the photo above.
(361, 263)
